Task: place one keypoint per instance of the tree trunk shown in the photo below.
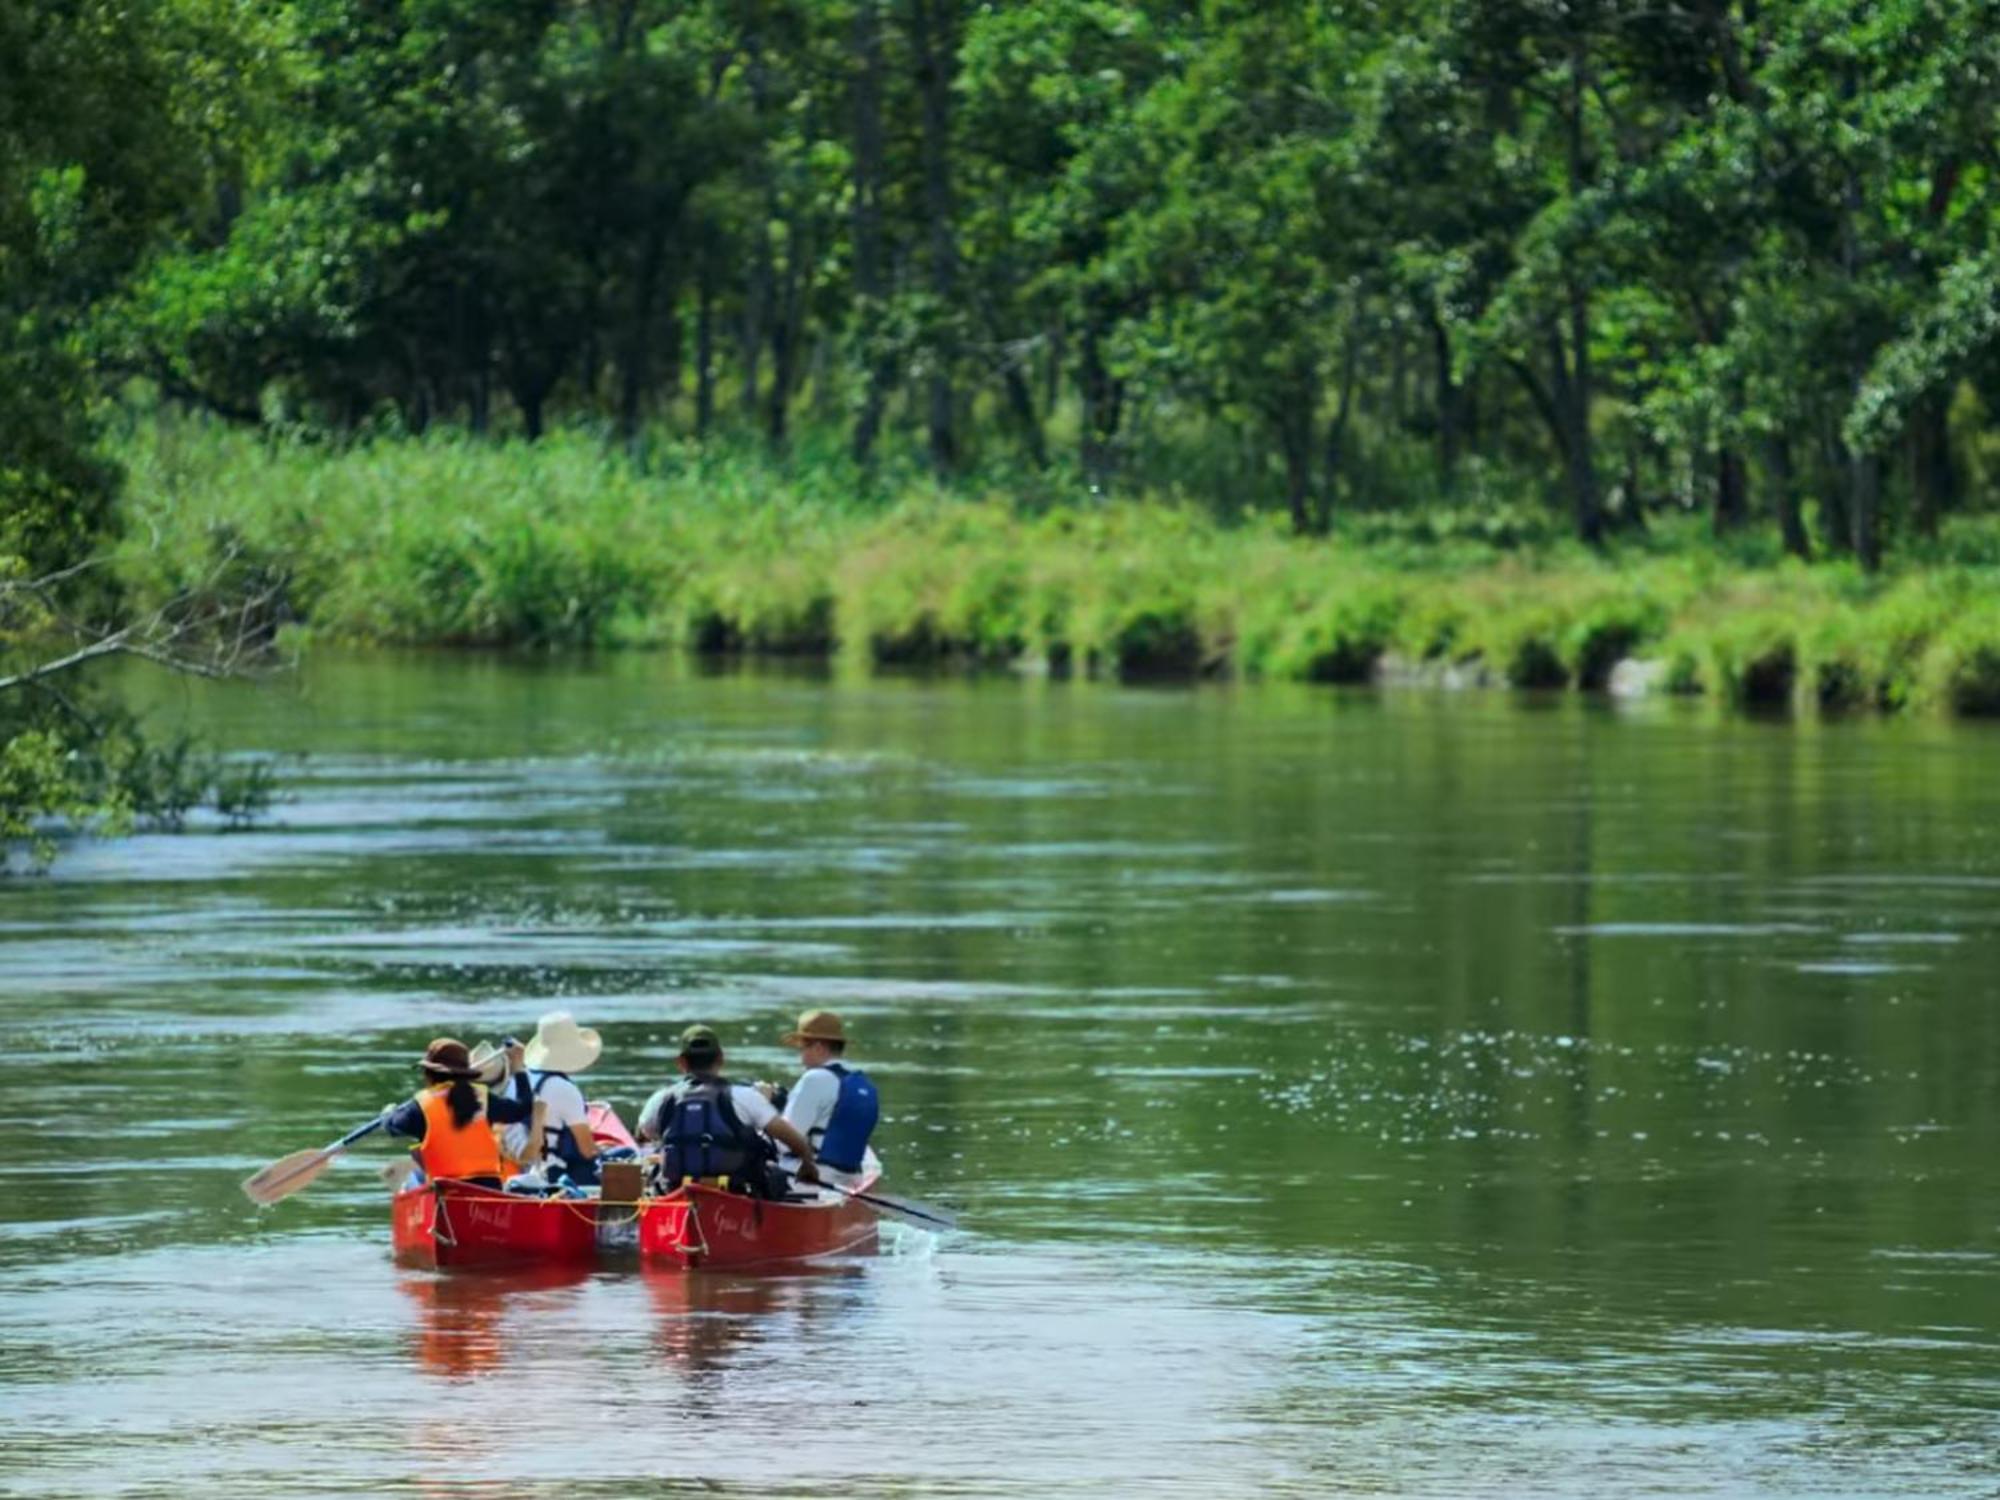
(787, 332)
(1295, 432)
(704, 356)
(1570, 413)
(1864, 470)
(932, 35)
(1101, 403)
(1834, 492)
(1448, 402)
(1335, 463)
(868, 267)
(1864, 505)
(1576, 387)
(670, 347)
(1785, 496)
(635, 368)
(1021, 401)
(756, 299)
(1399, 381)
(1933, 480)
(1732, 491)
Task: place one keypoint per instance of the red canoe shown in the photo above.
(704, 1227)
(448, 1223)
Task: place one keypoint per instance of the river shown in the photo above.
(1345, 1093)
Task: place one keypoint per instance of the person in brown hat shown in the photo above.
(832, 1105)
(452, 1117)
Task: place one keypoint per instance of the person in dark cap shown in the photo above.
(712, 1130)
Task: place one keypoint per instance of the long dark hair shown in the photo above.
(447, 1061)
(464, 1102)
(463, 1097)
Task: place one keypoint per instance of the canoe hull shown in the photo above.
(705, 1228)
(457, 1224)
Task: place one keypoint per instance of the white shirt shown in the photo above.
(810, 1104)
(565, 1108)
(751, 1107)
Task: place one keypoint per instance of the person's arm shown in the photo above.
(649, 1116)
(407, 1120)
(793, 1139)
(586, 1141)
(510, 1108)
(517, 1105)
(811, 1099)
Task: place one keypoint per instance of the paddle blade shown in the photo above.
(288, 1175)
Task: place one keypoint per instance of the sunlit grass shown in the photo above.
(447, 540)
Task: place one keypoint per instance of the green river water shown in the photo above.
(1408, 1094)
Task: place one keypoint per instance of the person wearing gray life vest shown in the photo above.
(712, 1130)
(834, 1106)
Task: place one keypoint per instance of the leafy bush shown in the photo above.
(565, 543)
(1961, 671)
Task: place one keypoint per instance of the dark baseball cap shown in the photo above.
(698, 1040)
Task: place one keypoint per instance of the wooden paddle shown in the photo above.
(923, 1215)
(301, 1169)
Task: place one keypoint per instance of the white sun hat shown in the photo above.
(562, 1046)
(489, 1064)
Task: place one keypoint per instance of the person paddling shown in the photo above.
(835, 1106)
(559, 1048)
(712, 1130)
(452, 1117)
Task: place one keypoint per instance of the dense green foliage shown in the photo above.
(117, 125)
(1617, 258)
(449, 539)
(1014, 332)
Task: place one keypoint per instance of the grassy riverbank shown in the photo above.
(446, 541)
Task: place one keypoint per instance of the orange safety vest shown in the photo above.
(452, 1150)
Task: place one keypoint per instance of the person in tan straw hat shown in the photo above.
(559, 1048)
(832, 1105)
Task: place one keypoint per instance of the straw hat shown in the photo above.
(489, 1064)
(562, 1046)
(815, 1026)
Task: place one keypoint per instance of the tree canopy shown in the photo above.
(1611, 256)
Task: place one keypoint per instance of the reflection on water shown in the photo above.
(468, 1324)
(700, 1321)
(1400, 1095)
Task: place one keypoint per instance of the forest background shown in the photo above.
(1490, 339)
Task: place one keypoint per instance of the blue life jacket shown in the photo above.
(844, 1142)
(702, 1137)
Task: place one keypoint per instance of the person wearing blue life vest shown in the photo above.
(832, 1105)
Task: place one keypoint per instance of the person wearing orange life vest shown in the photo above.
(452, 1117)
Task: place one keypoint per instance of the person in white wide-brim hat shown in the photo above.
(559, 1048)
